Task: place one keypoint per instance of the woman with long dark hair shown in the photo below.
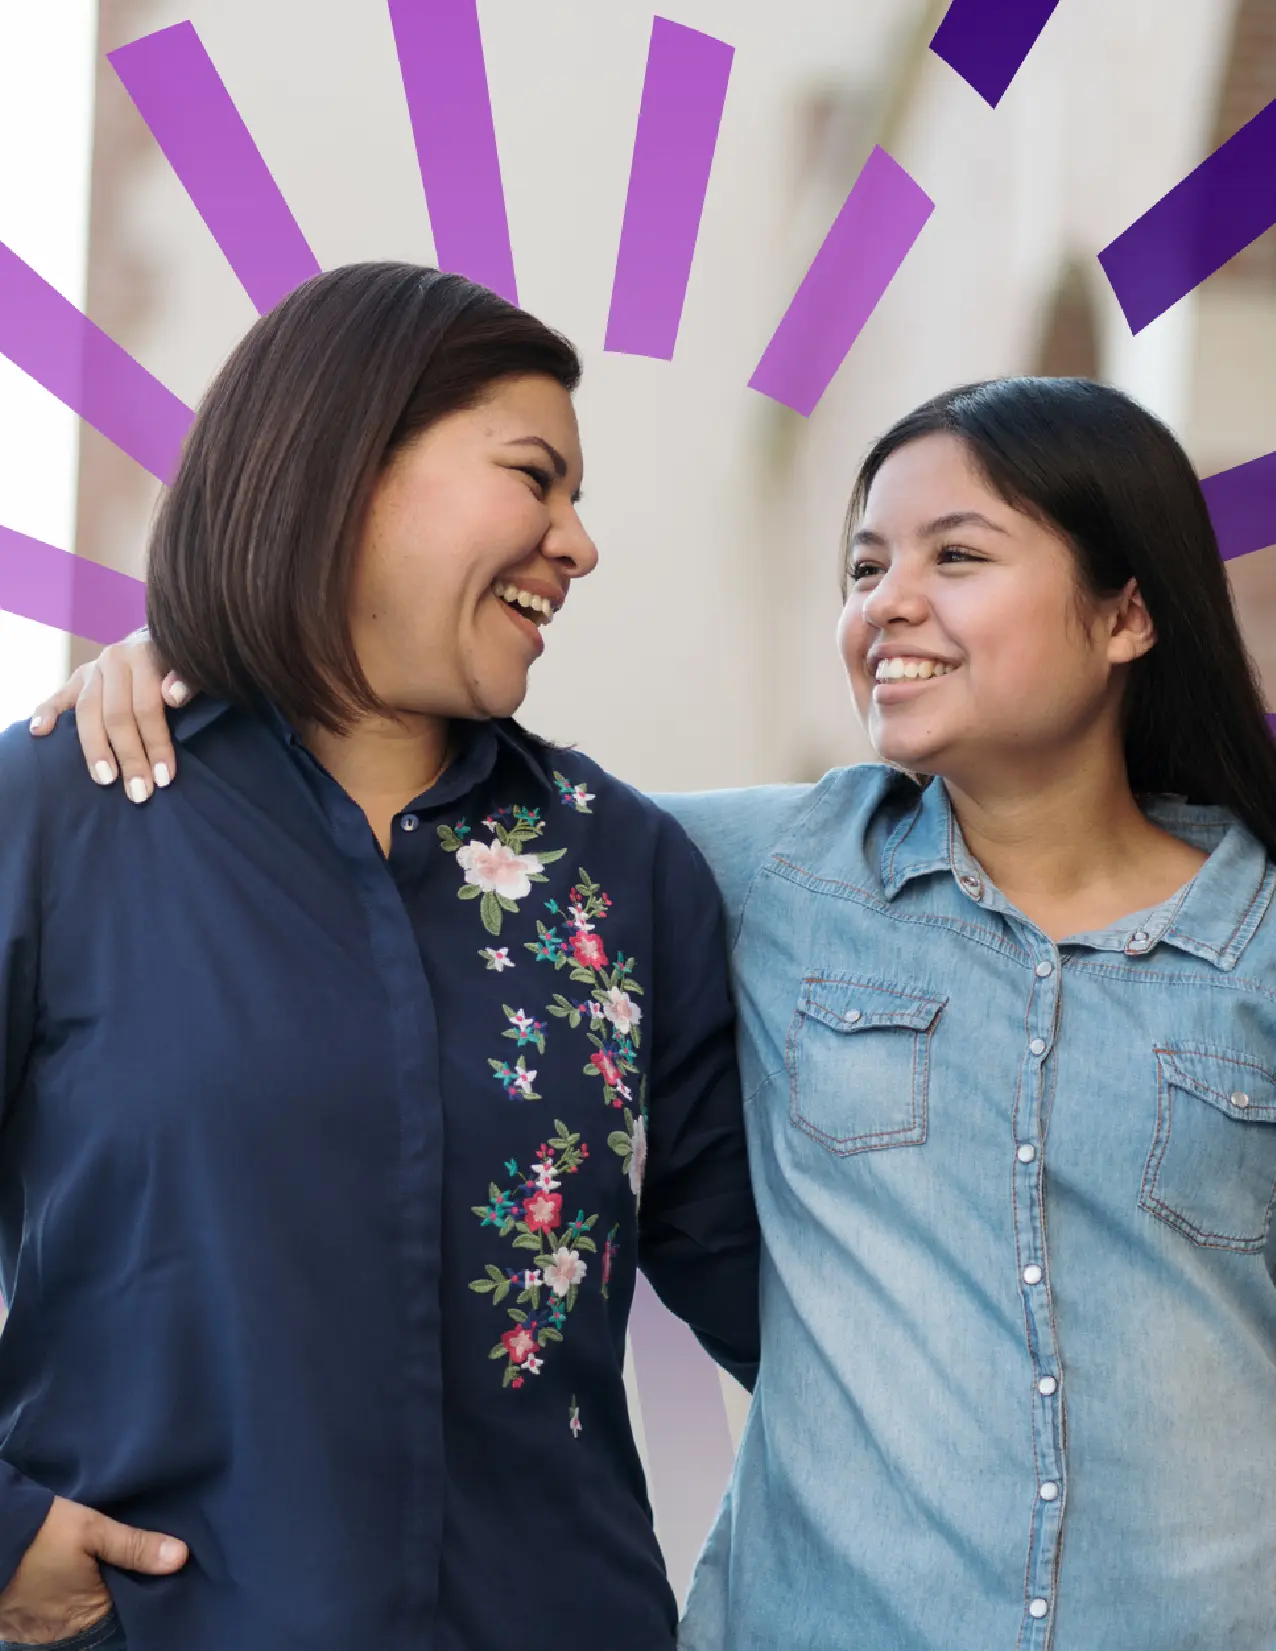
(1008, 1042)
(332, 1088)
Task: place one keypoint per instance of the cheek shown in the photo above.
(854, 637)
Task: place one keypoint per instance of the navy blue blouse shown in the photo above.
(324, 1176)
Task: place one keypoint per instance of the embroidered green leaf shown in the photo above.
(448, 839)
(506, 904)
(548, 859)
(527, 1241)
(584, 1242)
(549, 1334)
(500, 1351)
(585, 976)
(482, 1286)
(490, 912)
(468, 891)
(519, 1318)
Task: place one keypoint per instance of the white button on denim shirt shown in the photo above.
(1018, 1383)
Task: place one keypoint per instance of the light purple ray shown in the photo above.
(682, 101)
(882, 217)
(445, 79)
(48, 338)
(67, 592)
(182, 98)
(684, 1421)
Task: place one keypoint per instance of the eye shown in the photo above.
(959, 553)
(540, 477)
(863, 570)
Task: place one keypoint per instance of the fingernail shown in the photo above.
(137, 789)
(162, 775)
(178, 694)
(169, 1551)
(103, 773)
(36, 724)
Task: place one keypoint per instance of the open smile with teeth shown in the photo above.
(539, 609)
(910, 670)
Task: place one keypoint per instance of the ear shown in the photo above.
(1132, 632)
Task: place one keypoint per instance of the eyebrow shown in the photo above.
(555, 457)
(941, 524)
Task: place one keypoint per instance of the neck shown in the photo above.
(1070, 848)
(382, 763)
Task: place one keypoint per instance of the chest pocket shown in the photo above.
(1211, 1172)
(858, 1059)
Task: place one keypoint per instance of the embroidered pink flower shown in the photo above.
(565, 1269)
(533, 1364)
(621, 1010)
(607, 1066)
(498, 957)
(546, 1180)
(519, 1343)
(588, 950)
(542, 1211)
(638, 1156)
(523, 1081)
(496, 869)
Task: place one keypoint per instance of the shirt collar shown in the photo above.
(1213, 919)
(477, 745)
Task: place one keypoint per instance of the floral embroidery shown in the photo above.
(497, 957)
(532, 1211)
(516, 1080)
(614, 1017)
(524, 1029)
(610, 1251)
(630, 1144)
(573, 1419)
(498, 874)
(575, 796)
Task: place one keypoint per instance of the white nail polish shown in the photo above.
(162, 775)
(103, 773)
(36, 724)
(178, 694)
(137, 789)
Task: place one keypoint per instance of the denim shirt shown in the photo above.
(1018, 1384)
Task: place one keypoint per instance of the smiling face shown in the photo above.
(970, 649)
(470, 546)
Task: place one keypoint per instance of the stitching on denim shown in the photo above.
(980, 934)
(1154, 1205)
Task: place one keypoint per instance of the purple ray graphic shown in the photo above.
(48, 338)
(683, 96)
(191, 115)
(65, 591)
(445, 79)
(685, 1423)
(1242, 505)
(986, 41)
(1229, 201)
(882, 217)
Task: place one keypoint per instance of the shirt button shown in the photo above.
(1038, 1046)
(409, 822)
(1038, 1608)
(1044, 970)
(1240, 1098)
(852, 1015)
(1032, 1274)
(1047, 1387)
(972, 885)
(1139, 936)
(1027, 1152)
(1049, 1491)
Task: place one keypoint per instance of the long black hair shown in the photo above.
(1092, 464)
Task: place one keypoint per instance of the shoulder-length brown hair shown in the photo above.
(251, 556)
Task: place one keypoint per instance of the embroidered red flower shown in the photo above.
(607, 1066)
(588, 950)
(520, 1343)
(542, 1210)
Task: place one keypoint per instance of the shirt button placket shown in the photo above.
(1047, 1466)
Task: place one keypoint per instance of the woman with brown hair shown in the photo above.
(332, 1089)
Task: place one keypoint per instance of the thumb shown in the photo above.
(129, 1549)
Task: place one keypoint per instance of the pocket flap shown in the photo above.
(848, 1005)
(1232, 1082)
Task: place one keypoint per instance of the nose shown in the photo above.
(896, 598)
(569, 546)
